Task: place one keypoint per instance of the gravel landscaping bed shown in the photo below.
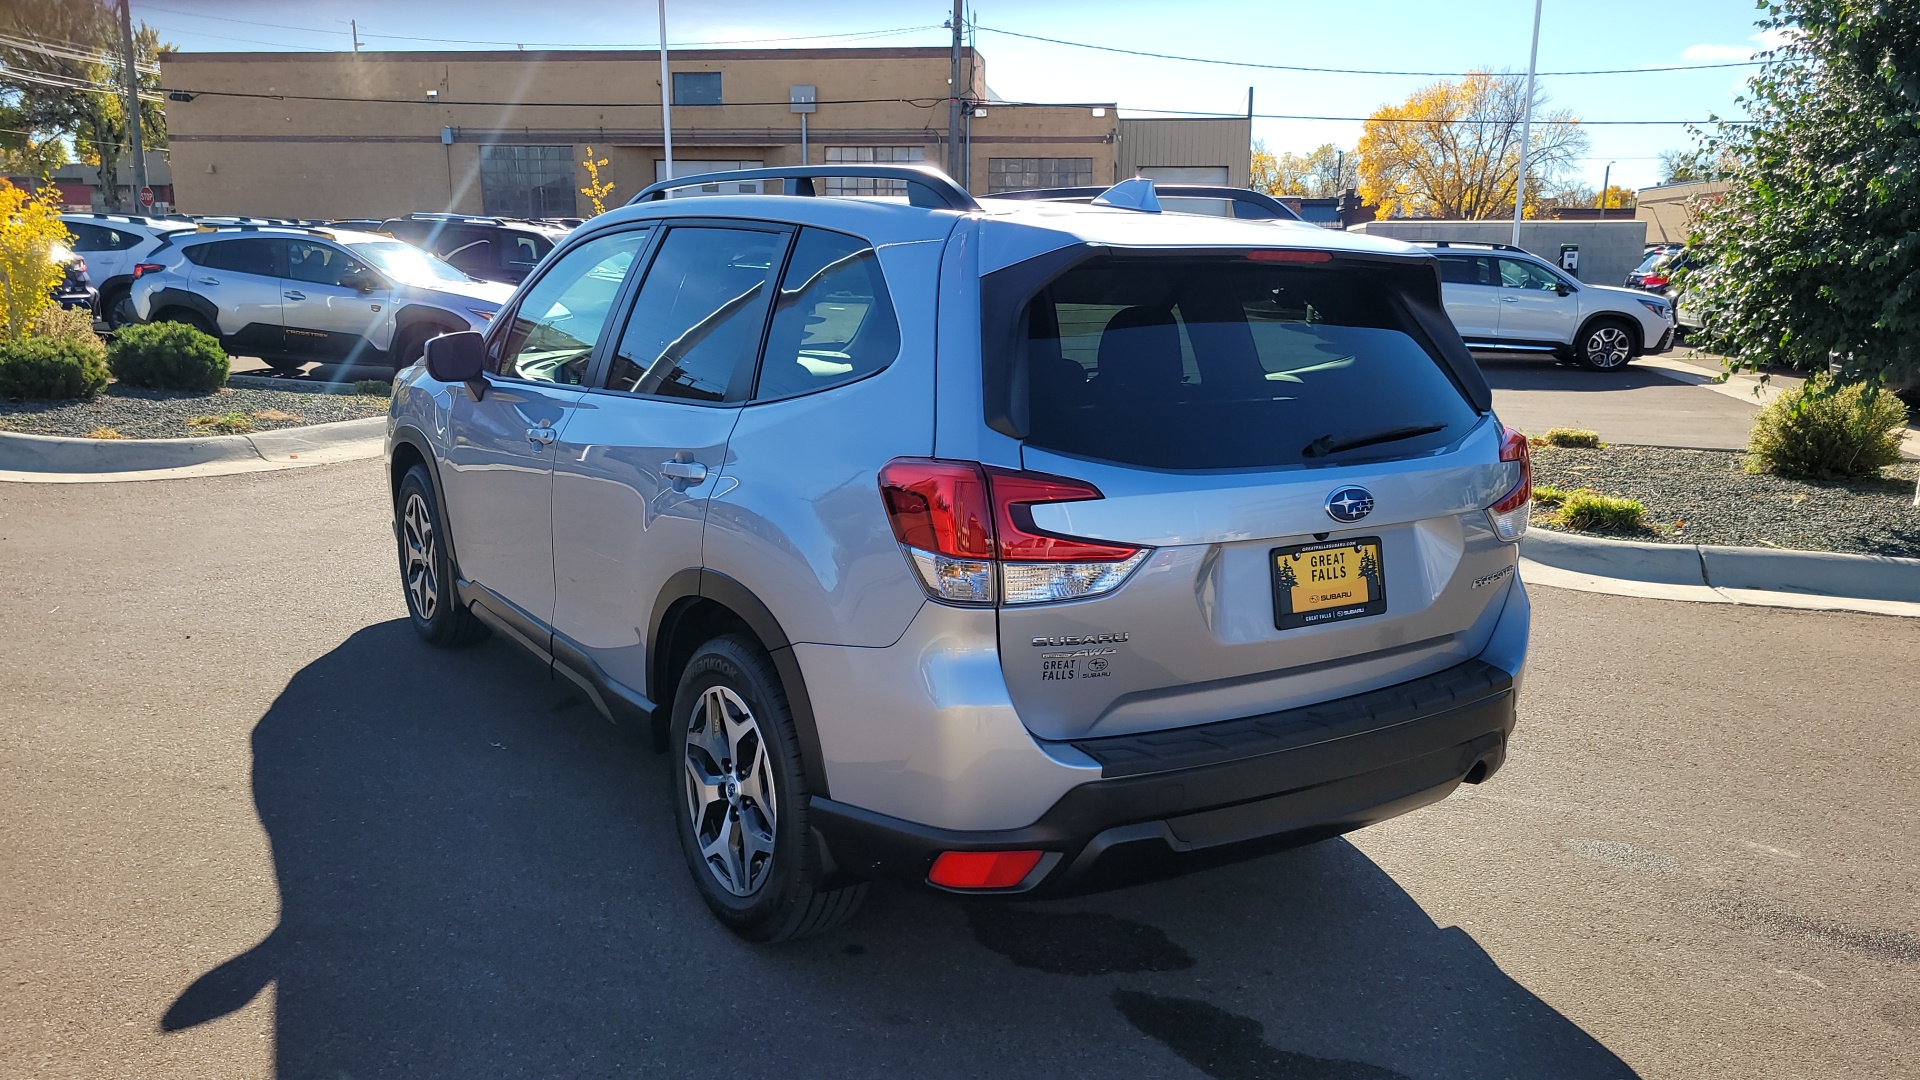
(1707, 497)
(163, 414)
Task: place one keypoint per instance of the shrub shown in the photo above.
(1585, 509)
(1574, 437)
(376, 387)
(226, 423)
(1827, 431)
(45, 367)
(104, 432)
(30, 226)
(68, 324)
(167, 356)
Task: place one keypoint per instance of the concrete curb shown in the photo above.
(1729, 570)
(49, 459)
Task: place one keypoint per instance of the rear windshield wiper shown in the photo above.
(1334, 444)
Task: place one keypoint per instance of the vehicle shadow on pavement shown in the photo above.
(1505, 372)
(478, 877)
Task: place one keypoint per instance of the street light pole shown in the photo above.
(953, 100)
(666, 94)
(1606, 181)
(1526, 127)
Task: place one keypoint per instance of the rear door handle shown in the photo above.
(296, 296)
(1509, 299)
(209, 281)
(684, 470)
(542, 436)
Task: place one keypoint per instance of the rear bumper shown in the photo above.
(1175, 800)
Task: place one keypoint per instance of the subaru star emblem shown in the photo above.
(1350, 504)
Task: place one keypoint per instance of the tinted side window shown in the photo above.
(256, 256)
(1465, 270)
(1515, 274)
(522, 250)
(321, 264)
(695, 328)
(90, 237)
(833, 321)
(559, 319)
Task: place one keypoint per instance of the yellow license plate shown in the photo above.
(1328, 582)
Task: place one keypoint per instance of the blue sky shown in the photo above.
(1399, 35)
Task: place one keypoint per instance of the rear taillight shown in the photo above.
(147, 268)
(968, 530)
(1654, 281)
(1509, 514)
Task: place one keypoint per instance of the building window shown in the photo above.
(527, 181)
(1019, 173)
(696, 88)
(870, 155)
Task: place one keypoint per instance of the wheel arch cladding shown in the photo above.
(164, 300)
(411, 448)
(696, 605)
(1636, 331)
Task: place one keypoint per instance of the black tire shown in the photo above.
(774, 898)
(426, 570)
(411, 344)
(1607, 344)
(116, 308)
(283, 365)
(188, 317)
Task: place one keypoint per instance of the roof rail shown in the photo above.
(311, 230)
(1262, 206)
(1475, 244)
(926, 187)
(464, 219)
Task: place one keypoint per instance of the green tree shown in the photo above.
(1813, 252)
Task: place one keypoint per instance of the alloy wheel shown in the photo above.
(423, 584)
(1607, 347)
(730, 791)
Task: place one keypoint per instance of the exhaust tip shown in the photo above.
(1478, 773)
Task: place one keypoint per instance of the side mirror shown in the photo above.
(1563, 289)
(457, 357)
(359, 282)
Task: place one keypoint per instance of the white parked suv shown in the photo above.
(113, 244)
(292, 295)
(1503, 297)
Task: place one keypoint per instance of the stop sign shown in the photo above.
(146, 197)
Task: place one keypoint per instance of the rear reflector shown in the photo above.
(983, 869)
(1287, 255)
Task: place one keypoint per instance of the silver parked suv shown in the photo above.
(1006, 548)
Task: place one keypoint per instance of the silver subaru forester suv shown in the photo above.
(1001, 547)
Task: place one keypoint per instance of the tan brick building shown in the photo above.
(381, 133)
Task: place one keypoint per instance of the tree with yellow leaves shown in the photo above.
(30, 228)
(1452, 150)
(596, 188)
(1324, 173)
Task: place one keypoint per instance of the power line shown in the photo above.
(852, 35)
(1352, 71)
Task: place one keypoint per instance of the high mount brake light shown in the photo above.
(969, 531)
(1288, 255)
(1509, 514)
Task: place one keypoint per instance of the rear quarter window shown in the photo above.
(1228, 363)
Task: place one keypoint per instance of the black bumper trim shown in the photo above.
(1290, 729)
(1117, 830)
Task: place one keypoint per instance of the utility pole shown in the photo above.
(953, 100)
(133, 112)
(355, 24)
(1526, 127)
(1606, 181)
(666, 94)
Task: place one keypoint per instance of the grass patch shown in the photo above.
(1548, 495)
(227, 423)
(376, 387)
(275, 416)
(1576, 438)
(1584, 510)
(104, 432)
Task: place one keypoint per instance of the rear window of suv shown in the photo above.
(1229, 363)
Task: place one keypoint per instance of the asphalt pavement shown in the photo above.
(1635, 404)
(250, 826)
